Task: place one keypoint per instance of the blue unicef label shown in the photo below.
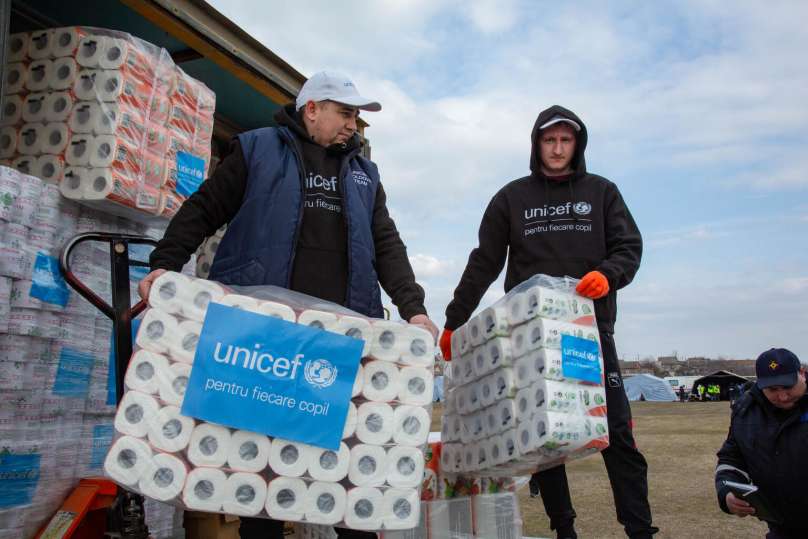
(19, 475)
(263, 374)
(73, 374)
(102, 439)
(190, 173)
(48, 284)
(580, 359)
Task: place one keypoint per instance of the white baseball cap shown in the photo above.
(558, 119)
(332, 86)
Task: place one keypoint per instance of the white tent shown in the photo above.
(649, 388)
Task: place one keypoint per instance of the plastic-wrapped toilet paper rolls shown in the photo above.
(277, 310)
(389, 340)
(142, 373)
(184, 343)
(326, 503)
(475, 329)
(16, 75)
(244, 494)
(364, 508)
(245, 303)
(8, 142)
(165, 478)
(381, 381)
(205, 489)
(368, 465)
(200, 294)
(289, 458)
(55, 138)
(31, 139)
(172, 382)
(66, 41)
(419, 347)
(169, 292)
(317, 319)
(375, 423)
(526, 403)
(402, 508)
(328, 465)
(12, 111)
(156, 331)
(460, 341)
(411, 425)
(90, 50)
(41, 44)
(500, 353)
(249, 451)
(359, 381)
(64, 73)
(350, 422)
(39, 74)
(504, 384)
(18, 47)
(487, 390)
(169, 430)
(134, 413)
(33, 108)
(494, 322)
(416, 386)
(357, 328)
(50, 168)
(405, 466)
(547, 333)
(209, 445)
(480, 362)
(473, 397)
(286, 498)
(128, 460)
(77, 155)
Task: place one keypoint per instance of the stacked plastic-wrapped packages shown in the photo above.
(107, 116)
(207, 252)
(56, 420)
(513, 405)
(371, 482)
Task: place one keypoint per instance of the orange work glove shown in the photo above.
(446, 344)
(593, 285)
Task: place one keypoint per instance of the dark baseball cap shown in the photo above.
(777, 367)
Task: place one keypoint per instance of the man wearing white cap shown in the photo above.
(561, 220)
(305, 211)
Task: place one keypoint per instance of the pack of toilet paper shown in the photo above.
(525, 390)
(371, 482)
(109, 117)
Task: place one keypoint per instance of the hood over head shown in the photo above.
(578, 161)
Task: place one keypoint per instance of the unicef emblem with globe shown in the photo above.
(582, 208)
(320, 373)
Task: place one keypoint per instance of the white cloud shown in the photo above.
(428, 266)
(491, 16)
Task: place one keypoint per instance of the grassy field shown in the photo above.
(679, 442)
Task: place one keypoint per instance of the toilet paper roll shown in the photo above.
(357, 328)
(382, 382)
(460, 341)
(548, 363)
(143, 370)
(78, 155)
(109, 85)
(128, 124)
(90, 50)
(12, 110)
(416, 386)
(483, 458)
(462, 400)
(389, 340)
(39, 75)
(318, 319)
(128, 460)
(41, 44)
(169, 430)
(200, 294)
(209, 445)
(500, 353)
(326, 503)
(526, 403)
(328, 465)
(25, 164)
(287, 498)
(115, 53)
(359, 381)
(473, 397)
(183, 346)
(16, 75)
(112, 151)
(469, 461)
(504, 384)
(66, 41)
(33, 107)
(476, 331)
(172, 383)
(277, 310)
(56, 136)
(494, 322)
(169, 292)
(86, 117)
(496, 450)
(18, 47)
(368, 465)
(64, 73)
(510, 444)
(15, 263)
(532, 434)
(8, 141)
(525, 370)
(455, 427)
(520, 340)
(202, 267)
(411, 425)
(419, 348)
(244, 494)
(31, 139)
(156, 331)
(134, 413)
(364, 508)
(478, 424)
(506, 413)
(112, 185)
(481, 363)
(401, 509)
(245, 303)
(547, 333)
(375, 423)
(592, 397)
(205, 489)
(405, 467)
(50, 168)
(350, 421)
(289, 458)
(16, 235)
(73, 182)
(487, 390)
(469, 371)
(249, 451)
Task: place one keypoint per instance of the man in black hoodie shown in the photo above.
(561, 220)
(342, 242)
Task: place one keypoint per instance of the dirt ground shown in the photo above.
(679, 442)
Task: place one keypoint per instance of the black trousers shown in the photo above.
(267, 528)
(625, 465)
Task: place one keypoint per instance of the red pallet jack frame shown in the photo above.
(97, 507)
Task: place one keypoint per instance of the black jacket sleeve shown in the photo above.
(623, 243)
(392, 265)
(215, 203)
(485, 262)
(731, 467)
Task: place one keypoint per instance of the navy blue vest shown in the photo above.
(259, 245)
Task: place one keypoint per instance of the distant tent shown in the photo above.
(724, 380)
(648, 387)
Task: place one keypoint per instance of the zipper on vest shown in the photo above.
(290, 140)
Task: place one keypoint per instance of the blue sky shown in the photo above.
(696, 110)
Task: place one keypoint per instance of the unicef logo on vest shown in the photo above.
(320, 373)
(582, 208)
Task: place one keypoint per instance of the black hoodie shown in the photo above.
(322, 239)
(555, 226)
